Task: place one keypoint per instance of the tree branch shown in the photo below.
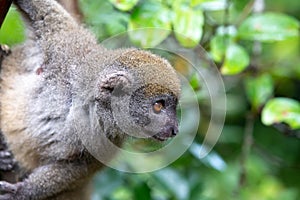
(4, 7)
(258, 7)
(72, 7)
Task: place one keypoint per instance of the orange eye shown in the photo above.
(157, 107)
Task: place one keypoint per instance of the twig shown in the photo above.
(72, 6)
(246, 148)
(226, 13)
(246, 11)
(258, 7)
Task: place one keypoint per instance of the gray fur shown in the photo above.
(56, 98)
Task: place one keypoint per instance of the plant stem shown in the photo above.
(246, 148)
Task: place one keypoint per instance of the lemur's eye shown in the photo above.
(158, 106)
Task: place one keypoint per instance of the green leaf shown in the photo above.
(12, 30)
(213, 5)
(142, 191)
(103, 18)
(209, 5)
(195, 81)
(212, 160)
(173, 181)
(124, 5)
(122, 193)
(236, 60)
(280, 110)
(218, 45)
(151, 24)
(101, 188)
(269, 27)
(259, 89)
(188, 25)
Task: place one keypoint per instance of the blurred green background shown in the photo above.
(256, 47)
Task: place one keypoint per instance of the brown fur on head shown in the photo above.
(151, 69)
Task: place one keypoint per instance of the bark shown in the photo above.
(72, 7)
(4, 7)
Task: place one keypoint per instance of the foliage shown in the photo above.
(258, 54)
(249, 49)
(12, 30)
(269, 27)
(279, 110)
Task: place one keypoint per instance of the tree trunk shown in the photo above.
(72, 7)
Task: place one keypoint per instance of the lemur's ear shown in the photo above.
(117, 84)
